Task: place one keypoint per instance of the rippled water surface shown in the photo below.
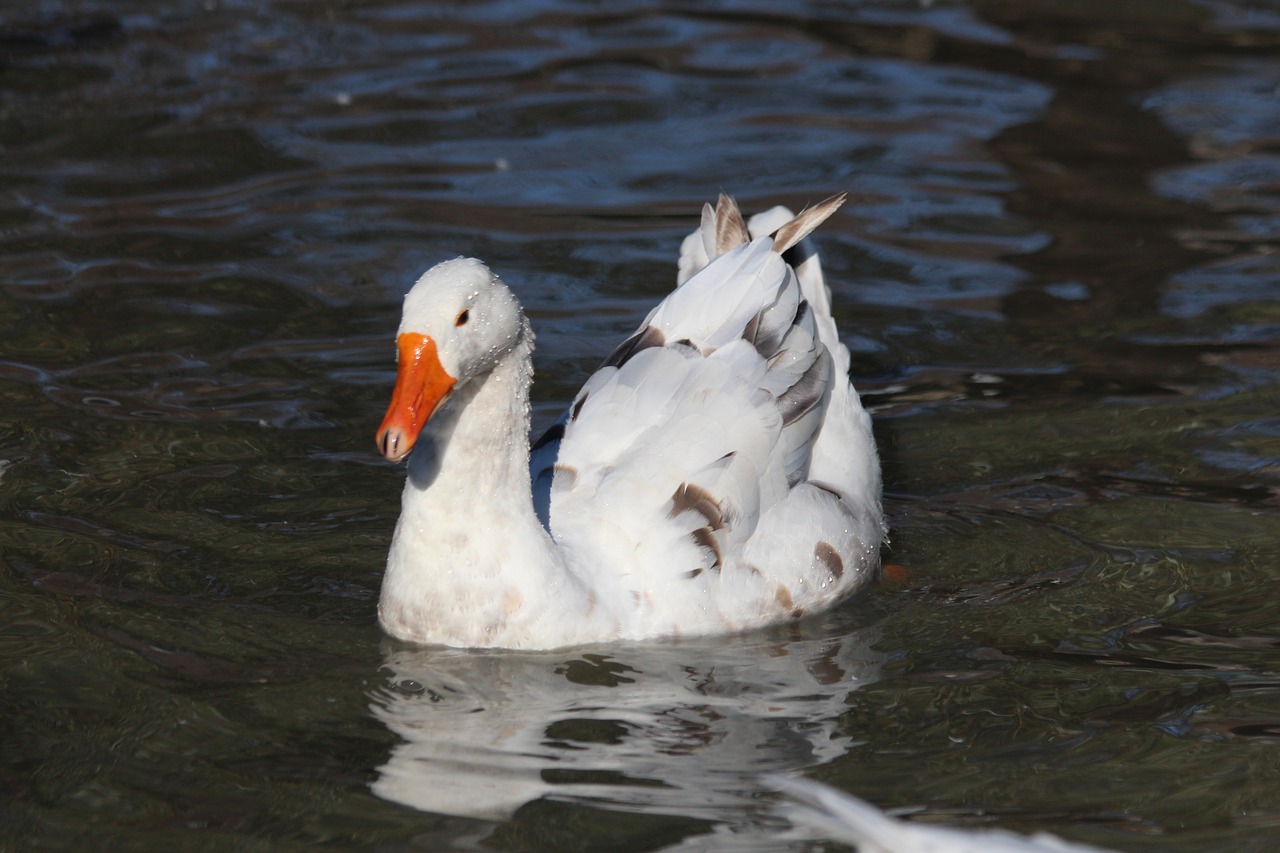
(1058, 276)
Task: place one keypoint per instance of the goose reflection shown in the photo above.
(679, 728)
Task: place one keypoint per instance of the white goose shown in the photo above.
(716, 474)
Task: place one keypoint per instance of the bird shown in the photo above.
(716, 474)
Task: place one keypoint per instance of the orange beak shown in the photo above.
(421, 385)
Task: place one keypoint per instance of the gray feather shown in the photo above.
(731, 228)
(804, 223)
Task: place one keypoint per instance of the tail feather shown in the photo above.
(804, 222)
(731, 228)
(723, 229)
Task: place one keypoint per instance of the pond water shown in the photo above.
(1057, 275)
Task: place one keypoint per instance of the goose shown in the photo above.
(716, 474)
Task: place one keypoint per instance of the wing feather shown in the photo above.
(689, 451)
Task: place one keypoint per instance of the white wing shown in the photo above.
(686, 471)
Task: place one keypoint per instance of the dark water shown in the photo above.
(1057, 276)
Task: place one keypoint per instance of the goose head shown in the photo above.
(459, 321)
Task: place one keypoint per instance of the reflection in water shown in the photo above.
(840, 816)
(680, 729)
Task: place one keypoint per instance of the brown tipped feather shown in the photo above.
(731, 228)
(804, 223)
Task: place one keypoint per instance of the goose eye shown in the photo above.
(463, 318)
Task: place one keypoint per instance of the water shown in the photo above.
(1057, 276)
